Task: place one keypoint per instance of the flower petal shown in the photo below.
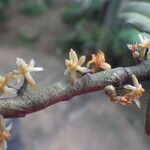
(20, 61)
(36, 69)
(66, 72)
(142, 38)
(73, 56)
(129, 46)
(89, 63)
(135, 81)
(130, 87)
(137, 103)
(9, 127)
(105, 66)
(32, 63)
(81, 60)
(29, 79)
(82, 69)
(67, 62)
(101, 56)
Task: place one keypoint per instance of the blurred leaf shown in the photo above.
(34, 7)
(139, 7)
(4, 3)
(70, 14)
(4, 6)
(122, 38)
(48, 2)
(137, 15)
(72, 40)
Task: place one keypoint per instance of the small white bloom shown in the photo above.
(74, 64)
(25, 69)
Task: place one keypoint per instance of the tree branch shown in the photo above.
(32, 101)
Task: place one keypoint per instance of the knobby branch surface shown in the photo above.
(31, 101)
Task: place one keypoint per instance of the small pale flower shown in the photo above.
(24, 69)
(99, 61)
(73, 65)
(136, 90)
(4, 133)
(5, 90)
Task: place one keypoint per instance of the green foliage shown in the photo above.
(72, 40)
(94, 27)
(93, 9)
(70, 14)
(122, 38)
(84, 36)
(4, 5)
(80, 40)
(48, 3)
(35, 7)
(85, 18)
(137, 15)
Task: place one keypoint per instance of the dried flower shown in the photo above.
(24, 69)
(138, 50)
(99, 61)
(4, 133)
(74, 65)
(136, 90)
(134, 48)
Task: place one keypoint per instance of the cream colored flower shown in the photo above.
(4, 133)
(5, 90)
(25, 69)
(136, 90)
(99, 61)
(74, 64)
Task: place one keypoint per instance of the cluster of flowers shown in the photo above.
(134, 92)
(139, 50)
(74, 64)
(23, 70)
(6, 91)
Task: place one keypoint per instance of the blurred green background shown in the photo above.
(46, 30)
